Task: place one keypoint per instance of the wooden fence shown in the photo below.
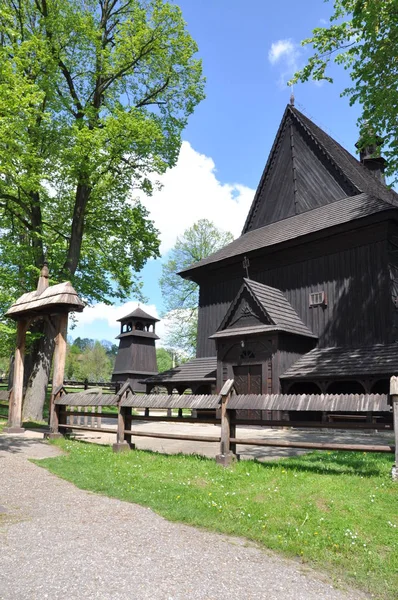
(224, 410)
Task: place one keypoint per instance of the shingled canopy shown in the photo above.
(276, 311)
(331, 363)
(197, 370)
(46, 301)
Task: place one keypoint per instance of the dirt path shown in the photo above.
(59, 542)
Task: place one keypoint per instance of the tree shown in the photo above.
(95, 365)
(164, 359)
(181, 296)
(363, 38)
(94, 95)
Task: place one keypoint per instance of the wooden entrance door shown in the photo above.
(248, 379)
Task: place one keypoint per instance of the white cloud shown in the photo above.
(281, 48)
(286, 54)
(191, 191)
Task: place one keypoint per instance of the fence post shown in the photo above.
(57, 414)
(394, 400)
(121, 442)
(226, 456)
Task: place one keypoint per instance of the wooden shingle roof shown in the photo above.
(54, 298)
(379, 359)
(354, 171)
(318, 219)
(339, 168)
(197, 369)
(277, 310)
(138, 313)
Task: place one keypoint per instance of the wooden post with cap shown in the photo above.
(394, 401)
(226, 456)
(58, 370)
(14, 424)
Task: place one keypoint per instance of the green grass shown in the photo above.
(337, 511)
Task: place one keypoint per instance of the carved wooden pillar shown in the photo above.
(15, 404)
(227, 456)
(59, 366)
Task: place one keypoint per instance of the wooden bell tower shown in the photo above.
(136, 357)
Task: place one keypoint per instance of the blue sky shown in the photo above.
(249, 50)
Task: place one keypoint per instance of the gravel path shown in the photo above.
(59, 542)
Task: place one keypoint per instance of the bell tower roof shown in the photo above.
(138, 313)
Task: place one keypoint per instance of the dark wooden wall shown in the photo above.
(352, 269)
(136, 354)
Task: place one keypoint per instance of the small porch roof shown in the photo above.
(197, 369)
(343, 362)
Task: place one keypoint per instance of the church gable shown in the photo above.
(245, 312)
(299, 176)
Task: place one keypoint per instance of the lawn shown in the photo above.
(336, 511)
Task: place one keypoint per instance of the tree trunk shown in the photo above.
(41, 352)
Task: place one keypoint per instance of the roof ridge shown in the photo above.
(366, 178)
(264, 175)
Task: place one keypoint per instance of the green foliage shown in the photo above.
(336, 511)
(88, 359)
(93, 97)
(363, 37)
(181, 296)
(164, 359)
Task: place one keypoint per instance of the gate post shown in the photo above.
(226, 456)
(394, 401)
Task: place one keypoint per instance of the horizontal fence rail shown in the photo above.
(366, 411)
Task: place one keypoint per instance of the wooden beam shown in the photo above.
(394, 400)
(175, 436)
(58, 368)
(314, 445)
(15, 403)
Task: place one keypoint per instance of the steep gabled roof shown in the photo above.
(278, 313)
(306, 168)
(359, 175)
(138, 313)
(319, 219)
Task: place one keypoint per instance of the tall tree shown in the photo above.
(363, 37)
(181, 296)
(94, 95)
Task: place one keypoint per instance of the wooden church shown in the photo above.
(306, 299)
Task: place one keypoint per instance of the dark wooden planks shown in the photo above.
(161, 401)
(312, 402)
(87, 399)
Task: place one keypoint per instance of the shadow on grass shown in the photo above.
(338, 463)
(321, 463)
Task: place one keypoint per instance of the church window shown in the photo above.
(246, 354)
(318, 299)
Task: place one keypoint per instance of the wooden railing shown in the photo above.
(225, 408)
